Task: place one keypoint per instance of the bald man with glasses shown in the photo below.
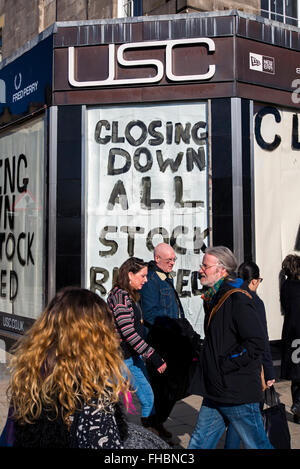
(159, 297)
(171, 333)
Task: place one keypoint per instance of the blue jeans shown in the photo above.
(140, 381)
(232, 440)
(213, 418)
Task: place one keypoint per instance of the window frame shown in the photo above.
(283, 16)
(135, 8)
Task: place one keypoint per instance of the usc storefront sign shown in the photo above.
(162, 66)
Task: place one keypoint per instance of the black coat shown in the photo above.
(290, 302)
(269, 372)
(180, 346)
(232, 351)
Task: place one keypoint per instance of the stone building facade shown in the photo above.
(22, 20)
(158, 7)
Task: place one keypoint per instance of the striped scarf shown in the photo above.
(210, 293)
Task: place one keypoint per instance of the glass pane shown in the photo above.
(138, 7)
(264, 5)
(22, 219)
(273, 5)
(291, 21)
(279, 8)
(118, 198)
(291, 9)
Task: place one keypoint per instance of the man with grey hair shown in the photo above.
(231, 361)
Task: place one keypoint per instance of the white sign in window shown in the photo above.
(21, 223)
(146, 182)
(2, 351)
(277, 192)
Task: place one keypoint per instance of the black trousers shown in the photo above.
(295, 391)
(164, 392)
(177, 343)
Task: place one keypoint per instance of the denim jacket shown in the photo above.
(159, 297)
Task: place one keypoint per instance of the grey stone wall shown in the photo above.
(24, 19)
(158, 7)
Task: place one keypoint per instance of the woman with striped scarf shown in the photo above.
(123, 301)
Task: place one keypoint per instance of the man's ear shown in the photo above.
(253, 284)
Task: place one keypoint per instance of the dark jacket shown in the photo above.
(110, 430)
(173, 337)
(91, 428)
(267, 361)
(232, 350)
(290, 302)
(159, 297)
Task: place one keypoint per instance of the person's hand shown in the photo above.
(270, 382)
(162, 368)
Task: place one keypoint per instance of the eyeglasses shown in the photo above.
(169, 259)
(205, 267)
(260, 279)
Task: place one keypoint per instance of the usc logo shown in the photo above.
(159, 66)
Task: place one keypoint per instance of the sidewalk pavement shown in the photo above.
(183, 417)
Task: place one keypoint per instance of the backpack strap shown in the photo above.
(224, 298)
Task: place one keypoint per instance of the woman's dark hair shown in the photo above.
(248, 271)
(134, 265)
(291, 266)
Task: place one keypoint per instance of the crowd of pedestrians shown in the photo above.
(74, 371)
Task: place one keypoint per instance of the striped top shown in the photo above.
(128, 320)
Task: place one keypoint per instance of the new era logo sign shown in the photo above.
(255, 62)
(261, 63)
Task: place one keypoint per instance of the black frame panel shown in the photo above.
(69, 181)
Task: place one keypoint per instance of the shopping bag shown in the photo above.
(275, 421)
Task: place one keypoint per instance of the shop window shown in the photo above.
(285, 11)
(130, 8)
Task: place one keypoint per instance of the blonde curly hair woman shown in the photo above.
(67, 376)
